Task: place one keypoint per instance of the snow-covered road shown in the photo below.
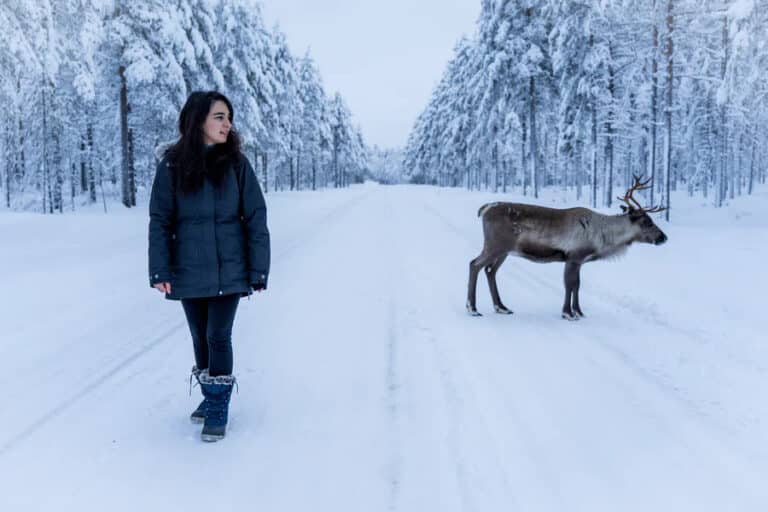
(365, 386)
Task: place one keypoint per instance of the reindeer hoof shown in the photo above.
(502, 310)
(471, 309)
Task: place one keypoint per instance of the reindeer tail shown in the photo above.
(485, 208)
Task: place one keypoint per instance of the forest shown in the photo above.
(583, 95)
(92, 87)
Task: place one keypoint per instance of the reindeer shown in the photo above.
(573, 236)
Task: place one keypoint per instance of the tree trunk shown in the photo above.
(723, 123)
(83, 167)
(124, 167)
(524, 163)
(131, 169)
(629, 165)
(57, 204)
(291, 172)
(265, 170)
(668, 113)
(534, 138)
(336, 176)
(20, 169)
(654, 100)
(9, 165)
(495, 152)
(711, 143)
(45, 169)
(739, 165)
(752, 169)
(577, 175)
(468, 168)
(314, 171)
(609, 172)
(73, 179)
(594, 155)
(692, 168)
(610, 140)
(91, 170)
(505, 167)
(298, 170)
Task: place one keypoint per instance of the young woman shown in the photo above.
(208, 242)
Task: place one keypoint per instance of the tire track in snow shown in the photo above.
(453, 404)
(317, 226)
(395, 463)
(394, 372)
(628, 361)
(53, 412)
(601, 335)
(457, 402)
(690, 426)
(666, 390)
(86, 390)
(490, 403)
(473, 446)
(604, 296)
(414, 331)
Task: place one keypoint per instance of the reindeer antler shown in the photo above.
(639, 184)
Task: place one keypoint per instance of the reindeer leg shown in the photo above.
(571, 279)
(474, 268)
(490, 273)
(577, 284)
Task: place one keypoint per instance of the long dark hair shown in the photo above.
(190, 162)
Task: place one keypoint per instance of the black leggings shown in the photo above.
(210, 323)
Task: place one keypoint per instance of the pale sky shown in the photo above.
(384, 56)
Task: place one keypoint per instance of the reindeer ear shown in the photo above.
(624, 208)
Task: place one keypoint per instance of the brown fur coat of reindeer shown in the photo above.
(573, 236)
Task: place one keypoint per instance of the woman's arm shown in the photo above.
(255, 222)
(162, 221)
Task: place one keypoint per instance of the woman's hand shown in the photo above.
(163, 287)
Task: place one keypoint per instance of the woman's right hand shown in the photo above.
(163, 287)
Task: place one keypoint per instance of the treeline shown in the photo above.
(91, 87)
(582, 95)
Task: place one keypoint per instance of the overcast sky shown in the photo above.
(384, 57)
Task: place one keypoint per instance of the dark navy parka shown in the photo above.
(210, 242)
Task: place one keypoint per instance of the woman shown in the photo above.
(208, 242)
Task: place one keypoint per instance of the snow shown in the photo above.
(364, 385)
(741, 9)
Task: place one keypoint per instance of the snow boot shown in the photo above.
(198, 415)
(217, 392)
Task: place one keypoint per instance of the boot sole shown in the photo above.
(209, 438)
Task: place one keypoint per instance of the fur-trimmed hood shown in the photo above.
(162, 148)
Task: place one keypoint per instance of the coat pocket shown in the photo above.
(187, 249)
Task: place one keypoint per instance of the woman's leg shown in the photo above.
(221, 316)
(196, 311)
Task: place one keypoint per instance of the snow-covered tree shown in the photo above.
(107, 78)
(575, 92)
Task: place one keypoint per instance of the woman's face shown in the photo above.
(216, 127)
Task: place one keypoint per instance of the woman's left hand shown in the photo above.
(163, 287)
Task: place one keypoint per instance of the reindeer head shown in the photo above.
(647, 230)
